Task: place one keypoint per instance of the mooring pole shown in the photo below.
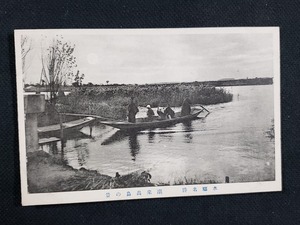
(91, 130)
(226, 179)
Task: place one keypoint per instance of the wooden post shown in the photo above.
(61, 127)
(61, 132)
(33, 105)
(226, 179)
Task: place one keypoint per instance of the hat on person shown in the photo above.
(148, 106)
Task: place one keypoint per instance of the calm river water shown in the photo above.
(231, 141)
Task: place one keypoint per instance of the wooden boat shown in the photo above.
(144, 123)
(43, 141)
(67, 126)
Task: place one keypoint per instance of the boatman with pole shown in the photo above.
(186, 107)
(132, 111)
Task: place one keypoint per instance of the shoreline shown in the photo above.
(47, 173)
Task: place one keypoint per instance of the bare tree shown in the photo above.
(26, 47)
(57, 65)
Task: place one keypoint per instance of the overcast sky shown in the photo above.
(165, 58)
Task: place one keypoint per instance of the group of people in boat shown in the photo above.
(167, 113)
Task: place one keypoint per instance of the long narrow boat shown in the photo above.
(143, 124)
(67, 126)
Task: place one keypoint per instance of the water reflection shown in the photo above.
(166, 135)
(133, 145)
(188, 138)
(50, 147)
(53, 147)
(82, 155)
(116, 137)
(187, 127)
(151, 135)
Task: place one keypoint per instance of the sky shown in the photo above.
(140, 59)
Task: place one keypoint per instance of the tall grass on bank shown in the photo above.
(271, 132)
(112, 102)
(187, 181)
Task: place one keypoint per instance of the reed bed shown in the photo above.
(112, 102)
(187, 181)
(271, 132)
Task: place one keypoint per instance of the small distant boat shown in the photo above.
(144, 123)
(67, 126)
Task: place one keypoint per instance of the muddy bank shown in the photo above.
(47, 173)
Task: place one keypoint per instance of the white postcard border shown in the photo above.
(159, 191)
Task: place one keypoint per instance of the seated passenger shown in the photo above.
(169, 112)
(150, 112)
(161, 114)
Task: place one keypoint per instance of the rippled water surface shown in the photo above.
(231, 141)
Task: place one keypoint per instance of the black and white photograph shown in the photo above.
(122, 114)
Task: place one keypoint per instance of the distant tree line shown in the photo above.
(78, 82)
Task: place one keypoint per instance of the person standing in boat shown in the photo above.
(169, 112)
(132, 111)
(150, 112)
(186, 107)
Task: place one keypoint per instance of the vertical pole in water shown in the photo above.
(226, 179)
(61, 134)
(91, 130)
(89, 106)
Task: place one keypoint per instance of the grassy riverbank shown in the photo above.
(188, 181)
(112, 102)
(47, 173)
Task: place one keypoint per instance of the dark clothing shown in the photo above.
(169, 112)
(131, 118)
(132, 111)
(161, 114)
(186, 107)
(150, 113)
